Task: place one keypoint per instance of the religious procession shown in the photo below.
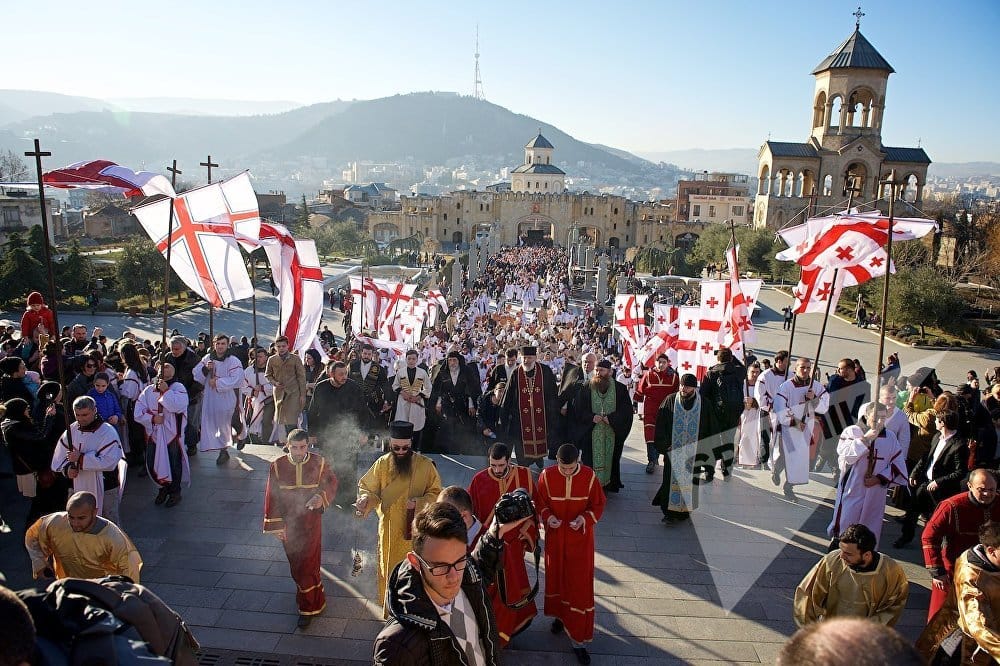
(535, 391)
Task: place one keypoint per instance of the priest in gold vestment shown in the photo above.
(397, 487)
(77, 543)
(853, 581)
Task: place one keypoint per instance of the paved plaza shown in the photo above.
(719, 590)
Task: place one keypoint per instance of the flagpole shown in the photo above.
(38, 154)
(851, 190)
(174, 171)
(208, 164)
(893, 185)
(253, 294)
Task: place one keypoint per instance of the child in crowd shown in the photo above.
(108, 405)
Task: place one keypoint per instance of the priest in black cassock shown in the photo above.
(603, 421)
(454, 396)
(529, 411)
(680, 423)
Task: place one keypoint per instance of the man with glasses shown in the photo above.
(438, 611)
(954, 528)
(397, 486)
(300, 486)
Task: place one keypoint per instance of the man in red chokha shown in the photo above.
(570, 501)
(300, 486)
(485, 490)
(655, 386)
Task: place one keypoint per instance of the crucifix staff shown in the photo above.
(208, 164)
(38, 154)
(174, 171)
(893, 189)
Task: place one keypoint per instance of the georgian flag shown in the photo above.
(688, 331)
(840, 241)
(108, 177)
(630, 318)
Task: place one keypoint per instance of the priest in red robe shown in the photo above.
(570, 501)
(659, 383)
(486, 488)
(528, 412)
(300, 486)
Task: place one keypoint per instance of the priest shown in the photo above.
(797, 405)
(604, 420)
(655, 386)
(300, 486)
(412, 387)
(339, 422)
(679, 424)
(161, 409)
(397, 486)
(529, 412)
(486, 488)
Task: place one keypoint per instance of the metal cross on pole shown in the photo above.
(893, 190)
(174, 172)
(38, 154)
(208, 164)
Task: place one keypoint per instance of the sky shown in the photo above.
(642, 76)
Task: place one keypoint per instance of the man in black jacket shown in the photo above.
(339, 421)
(938, 475)
(439, 612)
(722, 393)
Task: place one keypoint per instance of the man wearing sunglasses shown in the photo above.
(438, 608)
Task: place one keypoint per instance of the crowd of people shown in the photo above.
(537, 388)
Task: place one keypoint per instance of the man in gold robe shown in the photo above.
(854, 581)
(397, 486)
(77, 543)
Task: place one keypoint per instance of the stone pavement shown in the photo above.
(719, 590)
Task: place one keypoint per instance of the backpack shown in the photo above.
(109, 621)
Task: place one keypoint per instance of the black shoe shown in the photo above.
(904, 540)
(240, 445)
(582, 656)
(775, 477)
(174, 500)
(650, 467)
(142, 473)
(192, 451)
(790, 494)
(161, 497)
(304, 621)
(557, 626)
(223, 457)
(727, 474)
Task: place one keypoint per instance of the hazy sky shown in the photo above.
(644, 76)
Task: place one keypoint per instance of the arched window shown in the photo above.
(909, 190)
(835, 112)
(828, 185)
(819, 110)
(764, 180)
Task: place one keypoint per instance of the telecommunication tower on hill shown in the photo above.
(477, 90)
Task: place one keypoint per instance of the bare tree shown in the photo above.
(12, 167)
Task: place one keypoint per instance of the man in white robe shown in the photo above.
(95, 449)
(748, 430)
(412, 386)
(162, 411)
(764, 391)
(796, 405)
(895, 419)
(222, 374)
(869, 461)
(258, 399)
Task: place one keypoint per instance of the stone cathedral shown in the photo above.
(844, 145)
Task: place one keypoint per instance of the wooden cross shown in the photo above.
(208, 165)
(851, 188)
(174, 172)
(857, 15)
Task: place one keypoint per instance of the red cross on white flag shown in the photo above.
(205, 253)
(689, 317)
(395, 298)
(630, 318)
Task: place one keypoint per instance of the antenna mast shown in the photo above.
(477, 90)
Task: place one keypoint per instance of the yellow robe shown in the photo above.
(103, 550)
(388, 494)
(834, 589)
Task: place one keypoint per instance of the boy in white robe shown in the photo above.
(162, 411)
(796, 405)
(95, 449)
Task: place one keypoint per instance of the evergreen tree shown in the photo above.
(20, 272)
(76, 272)
(140, 269)
(303, 221)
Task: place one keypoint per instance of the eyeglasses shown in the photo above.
(90, 365)
(400, 449)
(444, 569)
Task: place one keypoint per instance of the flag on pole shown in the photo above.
(206, 255)
(297, 274)
(739, 329)
(367, 304)
(395, 300)
(630, 317)
(108, 177)
(435, 296)
(688, 330)
(839, 241)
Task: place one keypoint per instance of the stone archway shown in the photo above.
(385, 232)
(535, 229)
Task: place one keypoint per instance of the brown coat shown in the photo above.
(920, 441)
(290, 399)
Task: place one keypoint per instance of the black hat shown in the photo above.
(689, 380)
(965, 389)
(604, 363)
(529, 350)
(455, 354)
(401, 430)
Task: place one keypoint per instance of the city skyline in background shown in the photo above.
(644, 77)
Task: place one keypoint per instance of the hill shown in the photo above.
(18, 105)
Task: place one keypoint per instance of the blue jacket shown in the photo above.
(107, 404)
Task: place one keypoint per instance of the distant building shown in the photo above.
(376, 196)
(714, 198)
(20, 210)
(109, 222)
(275, 207)
(844, 145)
(538, 174)
(537, 215)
